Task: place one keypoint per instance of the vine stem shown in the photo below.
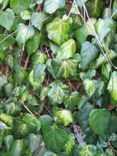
(26, 61)
(28, 110)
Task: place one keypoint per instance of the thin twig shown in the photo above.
(28, 110)
(110, 145)
(26, 61)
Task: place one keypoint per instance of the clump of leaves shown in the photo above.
(58, 78)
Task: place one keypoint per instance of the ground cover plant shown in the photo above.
(58, 78)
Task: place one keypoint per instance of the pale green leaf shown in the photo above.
(51, 6)
(90, 86)
(62, 69)
(58, 30)
(64, 117)
(112, 87)
(24, 33)
(67, 50)
(38, 19)
(7, 18)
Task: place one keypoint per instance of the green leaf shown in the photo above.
(36, 82)
(57, 92)
(19, 5)
(103, 27)
(33, 44)
(9, 40)
(99, 121)
(34, 141)
(53, 47)
(39, 70)
(8, 141)
(90, 86)
(58, 30)
(80, 3)
(55, 138)
(62, 69)
(83, 32)
(38, 19)
(18, 147)
(69, 144)
(3, 4)
(86, 150)
(88, 54)
(51, 6)
(112, 87)
(38, 58)
(7, 119)
(94, 7)
(67, 50)
(32, 121)
(24, 33)
(114, 13)
(106, 69)
(25, 15)
(88, 74)
(83, 115)
(3, 80)
(43, 93)
(7, 18)
(72, 100)
(28, 124)
(63, 117)
(104, 58)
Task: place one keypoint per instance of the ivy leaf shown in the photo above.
(94, 7)
(33, 44)
(104, 59)
(34, 81)
(39, 70)
(58, 30)
(62, 69)
(103, 27)
(34, 141)
(19, 5)
(72, 100)
(82, 32)
(38, 58)
(8, 41)
(88, 54)
(81, 2)
(38, 19)
(87, 150)
(57, 92)
(100, 117)
(83, 115)
(18, 147)
(25, 15)
(63, 116)
(8, 141)
(112, 87)
(3, 80)
(3, 4)
(51, 6)
(55, 138)
(7, 119)
(67, 50)
(7, 18)
(114, 13)
(24, 33)
(90, 86)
